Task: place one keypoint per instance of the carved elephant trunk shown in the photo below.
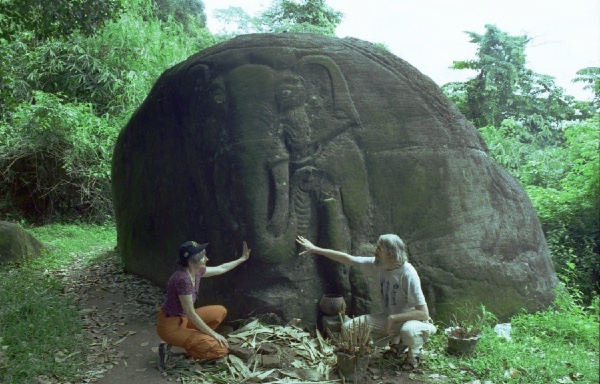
(266, 137)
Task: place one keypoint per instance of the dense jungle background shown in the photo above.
(73, 72)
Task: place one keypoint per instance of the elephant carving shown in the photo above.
(279, 160)
(266, 137)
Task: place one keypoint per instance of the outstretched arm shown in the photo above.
(340, 257)
(226, 267)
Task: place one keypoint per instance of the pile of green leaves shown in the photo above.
(304, 358)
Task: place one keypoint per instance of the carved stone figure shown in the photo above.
(266, 137)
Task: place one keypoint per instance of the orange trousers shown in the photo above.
(180, 332)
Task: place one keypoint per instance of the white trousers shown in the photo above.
(413, 333)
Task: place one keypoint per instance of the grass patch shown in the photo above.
(40, 327)
(559, 345)
(79, 243)
(41, 330)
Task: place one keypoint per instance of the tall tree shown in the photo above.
(306, 16)
(505, 88)
(302, 16)
(590, 76)
(185, 12)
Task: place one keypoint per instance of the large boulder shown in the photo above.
(266, 137)
(17, 245)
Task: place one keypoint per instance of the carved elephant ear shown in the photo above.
(203, 93)
(207, 106)
(328, 96)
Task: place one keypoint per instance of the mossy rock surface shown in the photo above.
(16, 244)
(269, 136)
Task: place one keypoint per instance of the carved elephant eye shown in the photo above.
(219, 97)
(286, 93)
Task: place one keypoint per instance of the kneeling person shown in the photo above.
(405, 317)
(178, 322)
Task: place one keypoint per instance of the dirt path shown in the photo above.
(119, 317)
(119, 323)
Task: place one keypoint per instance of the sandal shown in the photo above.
(164, 353)
(411, 366)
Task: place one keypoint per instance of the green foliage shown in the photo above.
(188, 13)
(73, 68)
(36, 319)
(8, 82)
(568, 207)
(562, 181)
(559, 344)
(64, 104)
(310, 16)
(140, 47)
(56, 160)
(48, 18)
(590, 76)
(503, 88)
(499, 65)
(40, 328)
(300, 16)
(113, 70)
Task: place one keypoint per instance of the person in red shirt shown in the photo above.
(178, 322)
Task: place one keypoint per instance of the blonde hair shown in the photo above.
(395, 246)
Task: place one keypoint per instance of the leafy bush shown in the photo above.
(559, 344)
(562, 181)
(140, 47)
(46, 18)
(566, 321)
(64, 104)
(113, 69)
(568, 209)
(56, 160)
(75, 68)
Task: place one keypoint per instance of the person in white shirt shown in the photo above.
(405, 320)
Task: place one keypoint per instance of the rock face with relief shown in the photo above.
(266, 137)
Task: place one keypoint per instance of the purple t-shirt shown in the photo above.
(180, 284)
